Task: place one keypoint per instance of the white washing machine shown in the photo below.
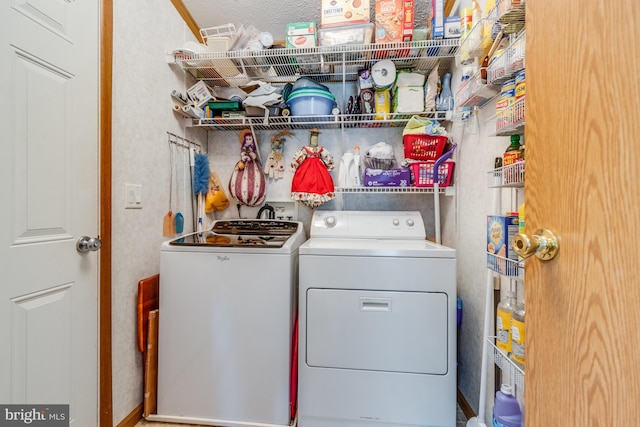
(227, 310)
(377, 344)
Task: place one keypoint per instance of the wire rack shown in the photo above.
(324, 63)
(507, 176)
(507, 366)
(388, 190)
(511, 268)
(337, 121)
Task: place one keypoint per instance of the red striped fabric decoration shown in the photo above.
(248, 185)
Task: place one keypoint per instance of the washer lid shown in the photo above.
(375, 247)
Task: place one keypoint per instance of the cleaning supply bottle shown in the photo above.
(518, 336)
(506, 411)
(503, 321)
(475, 36)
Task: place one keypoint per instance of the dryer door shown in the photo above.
(377, 330)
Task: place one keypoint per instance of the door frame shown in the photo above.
(105, 404)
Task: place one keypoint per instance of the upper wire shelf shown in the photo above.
(337, 121)
(326, 63)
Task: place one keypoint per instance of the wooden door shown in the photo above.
(49, 192)
(582, 182)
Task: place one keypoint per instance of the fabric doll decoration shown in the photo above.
(274, 166)
(312, 184)
(248, 185)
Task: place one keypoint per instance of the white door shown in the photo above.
(49, 198)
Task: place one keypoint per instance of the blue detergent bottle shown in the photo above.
(506, 411)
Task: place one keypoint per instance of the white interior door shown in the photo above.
(49, 192)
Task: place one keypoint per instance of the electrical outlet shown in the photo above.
(285, 210)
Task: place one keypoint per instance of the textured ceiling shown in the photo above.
(268, 15)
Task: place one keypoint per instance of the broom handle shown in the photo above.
(192, 165)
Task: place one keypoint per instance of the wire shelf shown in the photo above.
(325, 63)
(507, 176)
(511, 268)
(507, 366)
(473, 92)
(428, 190)
(337, 121)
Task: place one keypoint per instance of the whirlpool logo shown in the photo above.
(34, 415)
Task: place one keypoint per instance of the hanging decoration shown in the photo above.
(274, 166)
(248, 185)
(312, 184)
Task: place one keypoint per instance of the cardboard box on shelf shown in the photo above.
(437, 24)
(394, 21)
(301, 34)
(452, 27)
(344, 12)
(501, 230)
(398, 177)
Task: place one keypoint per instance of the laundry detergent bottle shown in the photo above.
(506, 411)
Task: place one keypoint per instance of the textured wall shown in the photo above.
(270, 15)
(473, 202)
(143, 32)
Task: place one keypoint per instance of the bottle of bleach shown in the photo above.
(506, 411)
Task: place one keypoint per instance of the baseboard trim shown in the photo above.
(466, 409)
(132, 419)
(136, 415)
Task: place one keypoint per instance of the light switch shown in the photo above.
(133, 196)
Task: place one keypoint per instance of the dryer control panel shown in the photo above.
(368, 224)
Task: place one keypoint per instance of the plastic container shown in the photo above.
(504, 312)
(422, 173)
(506, 411)
(311, 105)
(423, 147)
(356, 34)
(518, 336)
(310, 92)
(376, 163)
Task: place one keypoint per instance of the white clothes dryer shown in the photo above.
(377, 344)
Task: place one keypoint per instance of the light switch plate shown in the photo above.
(132, 196)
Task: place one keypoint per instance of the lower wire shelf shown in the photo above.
(508, 367)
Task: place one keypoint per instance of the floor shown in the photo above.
(461, 421)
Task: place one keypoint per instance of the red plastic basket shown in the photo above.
(422, 173)
(423, 147)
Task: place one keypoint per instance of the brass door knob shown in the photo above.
(543, 244)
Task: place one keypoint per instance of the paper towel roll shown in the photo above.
(197, 113)
(179, 96)
(383, 74)
(178, 109)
